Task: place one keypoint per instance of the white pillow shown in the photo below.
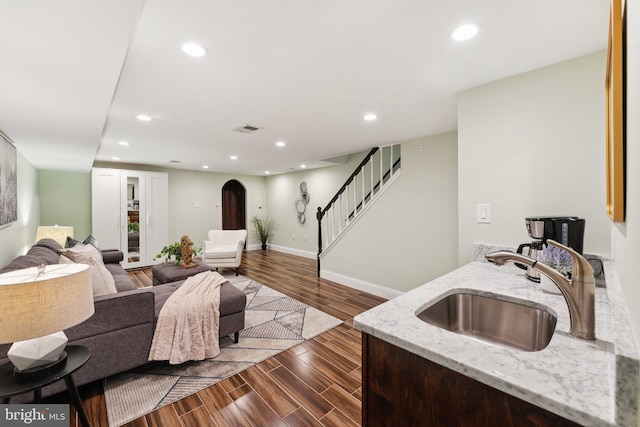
(102, 281)
(81, 252)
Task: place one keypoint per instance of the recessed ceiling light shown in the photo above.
(234, 157)
(143, 117)
(465, 32)
(370, 117)
(267, 172)
(303, 166)
(115, 158)
(280, 144)
(194, 49)
(125, 143)
(205, 166)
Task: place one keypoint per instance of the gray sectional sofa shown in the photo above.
(120, 332)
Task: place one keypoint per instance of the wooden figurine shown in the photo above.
(186, 252)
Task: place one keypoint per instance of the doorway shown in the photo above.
(234, 212)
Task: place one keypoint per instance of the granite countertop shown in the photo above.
(594, 383)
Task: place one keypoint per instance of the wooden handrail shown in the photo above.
(342, 189)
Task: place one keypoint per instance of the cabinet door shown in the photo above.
(130, 212)
(106, 217)
(157, 214)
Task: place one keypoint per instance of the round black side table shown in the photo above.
(77, 355)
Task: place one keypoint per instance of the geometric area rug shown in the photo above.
(274, 322)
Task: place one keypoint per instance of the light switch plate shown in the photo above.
(483, 215)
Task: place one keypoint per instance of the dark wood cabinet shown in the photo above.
(403, 389)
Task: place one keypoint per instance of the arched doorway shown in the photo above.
(234, 212)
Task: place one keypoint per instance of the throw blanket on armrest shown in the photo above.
(188, 322)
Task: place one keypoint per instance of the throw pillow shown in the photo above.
(102, 281)
(80, 252)
(90, 240)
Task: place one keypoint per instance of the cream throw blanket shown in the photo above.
(188, 323)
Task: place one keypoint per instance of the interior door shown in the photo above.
(234, 201)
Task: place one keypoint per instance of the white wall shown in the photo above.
(18, 236)
(186, 188)
(626, 236)
(283, 190)
(409, 236)
(533, 145)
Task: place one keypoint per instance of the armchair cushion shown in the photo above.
(213, 251)
(224, 248)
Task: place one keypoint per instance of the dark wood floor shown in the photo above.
(316, 383)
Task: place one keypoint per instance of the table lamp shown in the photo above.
(36, 304)
(56, 232)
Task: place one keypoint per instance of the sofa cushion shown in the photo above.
(123, 282)
(50, 244)
(46, 256)
(43, 252)
(232, 299)
(23, 261)
(162, 293)
(102, 281)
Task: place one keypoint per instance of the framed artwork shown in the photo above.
(8, 181)
(615, 121)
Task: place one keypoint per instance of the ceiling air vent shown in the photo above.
(174, 161)
(247, 129)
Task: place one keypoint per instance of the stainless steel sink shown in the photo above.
(493, 319)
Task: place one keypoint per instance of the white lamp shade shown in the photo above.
(56, 232)
(33, 305)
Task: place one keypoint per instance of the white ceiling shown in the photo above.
(75, 73)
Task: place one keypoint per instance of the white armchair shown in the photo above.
(224, 248)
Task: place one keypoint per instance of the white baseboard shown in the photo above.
(360, 285)
(351, 282)
(284, 249)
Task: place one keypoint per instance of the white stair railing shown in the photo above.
(372, 175)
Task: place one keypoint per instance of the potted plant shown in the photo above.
(263, 228)
(173, 252)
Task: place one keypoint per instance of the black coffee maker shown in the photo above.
(567, 230)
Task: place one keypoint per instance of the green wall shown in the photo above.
(65, 199)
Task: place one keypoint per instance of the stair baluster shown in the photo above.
(341, 206)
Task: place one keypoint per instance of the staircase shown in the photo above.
(368, 181)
